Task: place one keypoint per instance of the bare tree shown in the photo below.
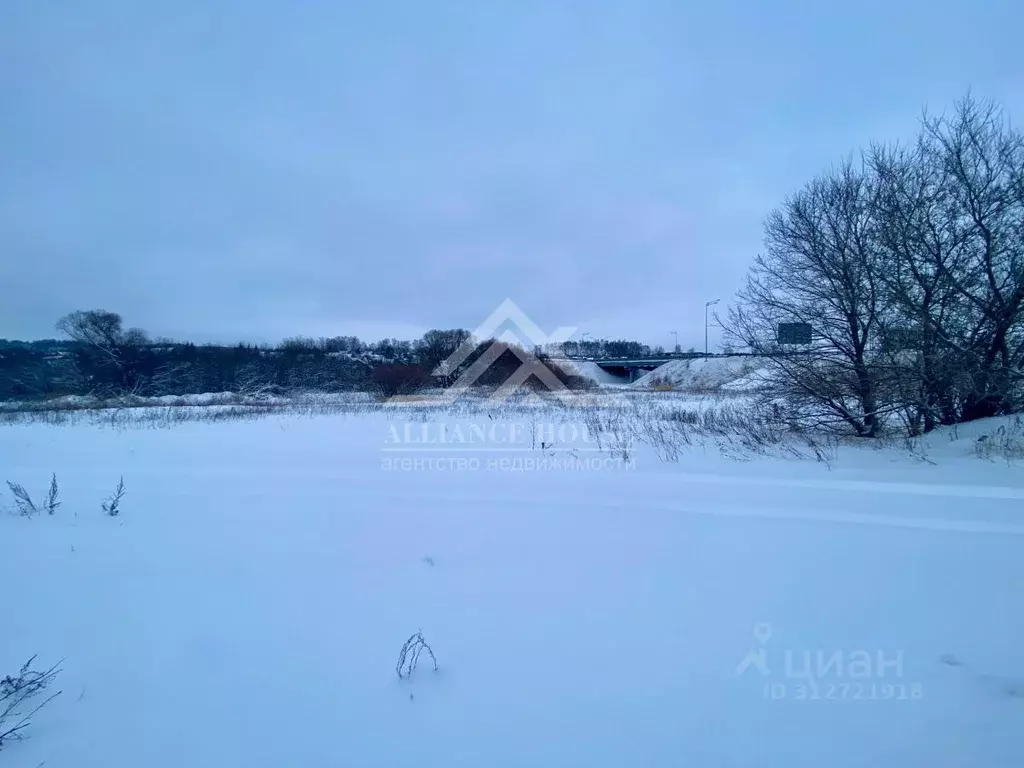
(171, 378)
(253, 379)
(95, 328)
(436, 346)
(105, 345)
(950, 219)
(909, 266)
(922, 239)
(983, 157)
(819, 268)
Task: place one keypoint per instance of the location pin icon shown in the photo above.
(762, 632)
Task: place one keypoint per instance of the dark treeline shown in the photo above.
(97, 356)
(606, 348)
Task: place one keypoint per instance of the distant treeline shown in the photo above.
(99, 357)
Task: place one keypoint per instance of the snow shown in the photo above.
(591, 370)
(248, 605)
(737, 374)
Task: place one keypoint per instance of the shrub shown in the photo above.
(393, 379)
(16, 693)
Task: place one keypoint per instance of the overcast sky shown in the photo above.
(257, 169)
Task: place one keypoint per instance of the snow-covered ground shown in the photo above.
(591, 370)
(248, 605)
(737, 374)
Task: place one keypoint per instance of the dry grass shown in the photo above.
(1005, 442)
(619, 420)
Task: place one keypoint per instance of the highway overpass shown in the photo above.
(633, 368)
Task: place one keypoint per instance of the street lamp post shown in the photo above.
(675, 335)
(706, 305)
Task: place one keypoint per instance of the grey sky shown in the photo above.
(256, 169)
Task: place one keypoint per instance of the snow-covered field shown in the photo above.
(247, 606)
